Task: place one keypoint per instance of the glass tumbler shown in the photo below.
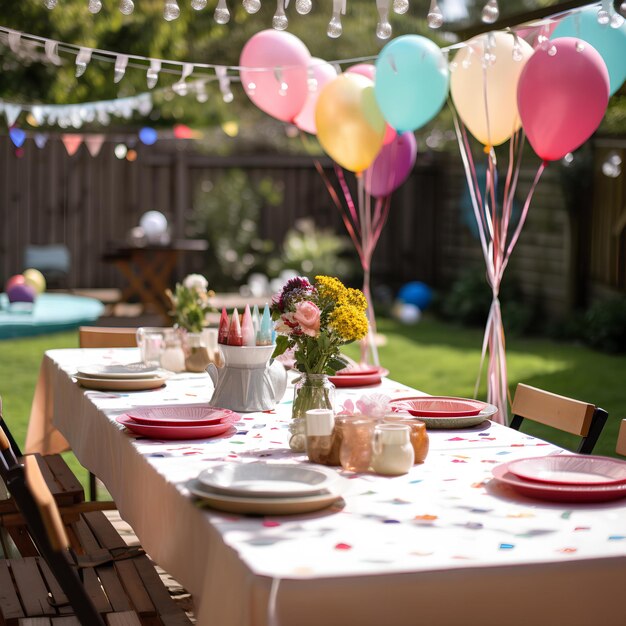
(357, 433)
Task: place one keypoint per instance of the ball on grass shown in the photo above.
(416, 293)
(21, 293)
(406, 313)
(35, 279)
(18, 279)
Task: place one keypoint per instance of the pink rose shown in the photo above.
(308, 317)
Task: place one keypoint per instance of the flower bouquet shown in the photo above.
(315, 320)
(191, 302)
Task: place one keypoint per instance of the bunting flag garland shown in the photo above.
(94, 144)
(72, 142)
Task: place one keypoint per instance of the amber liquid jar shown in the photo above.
(419, 435)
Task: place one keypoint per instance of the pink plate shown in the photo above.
(359, 380)
(179, 415)
(159, 431)
(438, 406)
(571, 469)
(358, 370)
(559, 493)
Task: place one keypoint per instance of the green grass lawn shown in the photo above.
(438, 358)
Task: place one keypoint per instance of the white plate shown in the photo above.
(121, 384)
(130, 370)
(261, 506)
(571, 469)
(268, 480)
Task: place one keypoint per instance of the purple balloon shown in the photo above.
(21, 293)
(392, 166)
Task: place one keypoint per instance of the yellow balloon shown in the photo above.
(350, 126)
(489, 65)
(35, 279)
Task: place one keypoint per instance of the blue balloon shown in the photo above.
(148, 135)
(416, 293)
(18, 136)
(609, 42)
(412, 82)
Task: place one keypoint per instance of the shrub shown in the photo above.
(605, 327)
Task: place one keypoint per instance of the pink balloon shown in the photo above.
(17, 279)
(369, 71)
(390, 135)
(324, 73)
(365, 69)
(562, 96)
(280, 88)
(392, 166)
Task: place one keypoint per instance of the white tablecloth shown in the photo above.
(441, 545)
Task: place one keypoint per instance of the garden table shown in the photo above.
(148, 270)
(441, 545)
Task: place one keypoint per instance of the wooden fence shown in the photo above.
(87, 203)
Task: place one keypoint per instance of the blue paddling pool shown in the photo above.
(52, 312)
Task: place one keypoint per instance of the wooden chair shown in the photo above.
(103, 337)
(105, 583)
(572, 416)
(620, 448)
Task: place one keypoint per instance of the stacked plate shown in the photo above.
(566, 477)
(359, 376)
(191, 421)
(130, 377)
(267, 489)
(445, 412)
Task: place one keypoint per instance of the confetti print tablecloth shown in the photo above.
(441, 545)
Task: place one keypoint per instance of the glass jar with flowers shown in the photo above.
(191, 302)
(315, 320)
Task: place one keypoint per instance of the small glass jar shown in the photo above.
(198, 356)
(356, 433)
(173, 355)
(419, 435)
(319, 435)
(392, 452)
(311, 391)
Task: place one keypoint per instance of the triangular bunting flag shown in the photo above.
(40, 140)
(18, 136)
(12, 112)
(94, 143)
(72, 142)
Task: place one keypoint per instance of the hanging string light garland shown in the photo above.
(434, 18)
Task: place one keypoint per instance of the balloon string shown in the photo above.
(347, 195)
(340, 208)
(524, 214)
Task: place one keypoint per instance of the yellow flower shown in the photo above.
(330, 288)
(349, 322)
(355, 298)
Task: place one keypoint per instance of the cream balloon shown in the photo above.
(350, 126)
(488, 69)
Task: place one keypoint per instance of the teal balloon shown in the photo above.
(609, 42)
(412, 82)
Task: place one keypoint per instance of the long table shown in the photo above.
(444, 544)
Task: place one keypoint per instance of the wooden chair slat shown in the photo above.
(70, 485)
(88, 544)
(550, 409)
(22, 541)
(10, 606)
(171, 614)
(35, 621)
(113, 588)
(59, 597)
(104, 531)
(69, 620)
(101, 337)
(95, 592)
(31, 588)
(48, 476)
(135, 588)
(127, 618)
(621, 439)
